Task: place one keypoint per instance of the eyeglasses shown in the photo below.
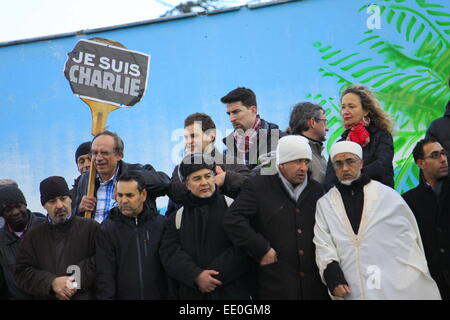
(102, 153)
(324, 120)
(350, 162)
(437, 154)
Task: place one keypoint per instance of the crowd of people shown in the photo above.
(268, 218)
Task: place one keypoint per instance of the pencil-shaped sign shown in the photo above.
(106, 77)
(108, 74)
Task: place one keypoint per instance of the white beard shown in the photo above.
(349, 182)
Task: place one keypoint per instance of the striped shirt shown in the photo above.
(105, 198)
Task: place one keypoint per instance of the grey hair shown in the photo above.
(118, 142)
(301, 113)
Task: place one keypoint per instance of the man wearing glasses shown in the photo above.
(367, 241)
(308, 119)
(430, 203)
(107, 151)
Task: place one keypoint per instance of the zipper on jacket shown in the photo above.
(146, 240)
(141, 278)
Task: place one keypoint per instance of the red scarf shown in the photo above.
(359, 134)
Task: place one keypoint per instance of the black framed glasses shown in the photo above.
(437, 154)
(324, 120)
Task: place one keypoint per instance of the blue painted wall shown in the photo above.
(194, 62)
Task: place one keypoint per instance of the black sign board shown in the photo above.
(107, 73)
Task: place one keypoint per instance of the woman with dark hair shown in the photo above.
(368, 125)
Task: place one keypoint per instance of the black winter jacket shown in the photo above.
(9, 245)
(263, 145)
(439, 129)
(128, 263)
(201, 244)
(377, 156)
(264, 216)
(48, 250)
(433, 219)
(156, 183)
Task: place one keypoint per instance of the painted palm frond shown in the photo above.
(406, 173)
(411, 84)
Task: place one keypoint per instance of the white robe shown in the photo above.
(385, 260)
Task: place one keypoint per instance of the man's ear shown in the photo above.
(420, 163)
(144, 193)
(210, 135)
(254, 109)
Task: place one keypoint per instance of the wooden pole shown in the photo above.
(100, 112)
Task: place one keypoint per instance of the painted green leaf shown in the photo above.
(412, 86)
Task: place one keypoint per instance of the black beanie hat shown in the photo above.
(83, 149)
(194, 162)
(53, 187)
(10, 195)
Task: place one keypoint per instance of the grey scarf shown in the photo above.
(293, 192)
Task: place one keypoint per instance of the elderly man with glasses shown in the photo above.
(308, 119)
(107, 151)
(430, 203)
(368, 244)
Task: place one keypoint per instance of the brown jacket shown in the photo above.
(47, 251)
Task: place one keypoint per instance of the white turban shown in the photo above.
(346, 146)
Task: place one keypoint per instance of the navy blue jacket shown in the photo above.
(128, 263)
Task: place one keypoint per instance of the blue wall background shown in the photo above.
(194, 62)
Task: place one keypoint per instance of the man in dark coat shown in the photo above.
(83, 162)
(5, 183)
(430, 203)
(252, 136)
(439, 129)
(201, 261)
(273, 218)
(107, 152)
(127, 244)
(200, 136)
(19, 220)
(61, 246)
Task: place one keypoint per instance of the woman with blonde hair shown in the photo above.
(368, 125)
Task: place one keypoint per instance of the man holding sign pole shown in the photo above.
(107, 152)
(106, 76)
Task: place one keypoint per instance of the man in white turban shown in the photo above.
(368, 245)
